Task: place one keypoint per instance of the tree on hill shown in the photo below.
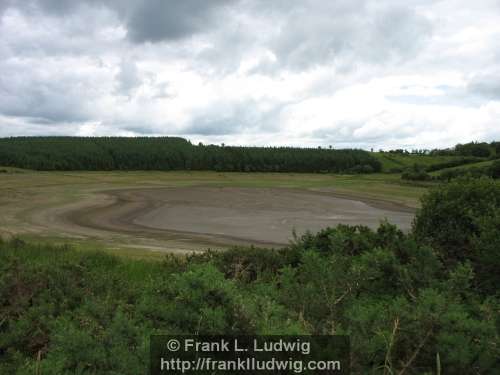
(474, 149)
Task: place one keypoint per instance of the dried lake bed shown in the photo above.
(246, 215)
(193, 211)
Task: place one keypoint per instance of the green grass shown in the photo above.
(88, 245)
(72, 182)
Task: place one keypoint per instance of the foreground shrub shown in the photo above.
(494, 169)
(450, 215)
(404, 299)
(461, 221)
(485, 253)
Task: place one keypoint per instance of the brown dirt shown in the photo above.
(220, 216)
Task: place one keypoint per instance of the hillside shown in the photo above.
(481, 164)
(393, 162)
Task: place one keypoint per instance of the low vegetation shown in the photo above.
(416, 173)
(400, 160)
(481, 169)
(412, 303)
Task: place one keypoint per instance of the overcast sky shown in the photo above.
(347, 73)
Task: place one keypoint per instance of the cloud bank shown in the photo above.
(346, 73)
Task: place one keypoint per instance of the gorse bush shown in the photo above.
(461, 221)
(449, 213)
(494, 169)
(403, 298)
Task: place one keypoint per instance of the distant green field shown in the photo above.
(481, 164)
(400, 161)
(376, 185)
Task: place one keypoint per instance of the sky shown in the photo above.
(348, 73)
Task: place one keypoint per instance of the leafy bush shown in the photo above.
(395, 170)
(485, 252)
(454, 214)
(365, 168)
(494, 169)
(416, 173)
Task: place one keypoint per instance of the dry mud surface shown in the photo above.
(228, 215)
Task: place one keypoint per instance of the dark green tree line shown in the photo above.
(170, 153)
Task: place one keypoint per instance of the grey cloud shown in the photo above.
(136, 129)
(51, 7)
(303, 34)
(57, 6)
(306, 32)
(352, 42)
(128, 77)
(398, 31)
(48, 95)
(214, 126)
(348, 33)
(146, 21)
(363, 132)
(157, 20)
(338, 133)
(13, 127)
(486, 85)
(47, 103)
(38, 36)
(162, 91)
(231, 118)
(4, 4)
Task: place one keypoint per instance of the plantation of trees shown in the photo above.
(424, 302)
(170, 153)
